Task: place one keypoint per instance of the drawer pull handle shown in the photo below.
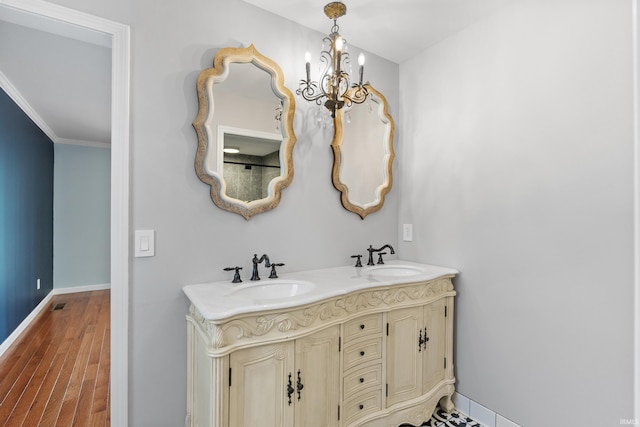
(422, 342)
(426, 339)
(289, 389)
(361, 380)
(361, 326)
(361, 406)
(362, 353)
(299, 385)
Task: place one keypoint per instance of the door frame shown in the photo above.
(120, 135)
(635, 17)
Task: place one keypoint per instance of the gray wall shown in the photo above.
(514, 165)
(195, 239)
(517, 168)
(81, 215)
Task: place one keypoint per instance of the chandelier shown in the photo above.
(333, 88)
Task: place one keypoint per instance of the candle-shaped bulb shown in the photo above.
(361, 68)
(307, 60)
(338, 45)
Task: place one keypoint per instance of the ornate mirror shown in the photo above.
(363, 154)
(245, 131)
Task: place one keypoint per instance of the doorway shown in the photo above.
(43, 13)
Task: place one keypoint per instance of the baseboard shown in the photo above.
(26, 322)
(84, 288)
(43, 305)
(483, 415)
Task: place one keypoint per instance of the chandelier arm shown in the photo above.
(357, 94)
(308, 91)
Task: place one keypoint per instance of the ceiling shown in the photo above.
(393, 29)
(60, 74)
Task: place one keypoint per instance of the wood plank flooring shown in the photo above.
(57, 372)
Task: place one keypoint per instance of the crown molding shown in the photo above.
(13, 93)
(24, 105)
(83, 143)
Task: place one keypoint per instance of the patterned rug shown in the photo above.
(440, 418)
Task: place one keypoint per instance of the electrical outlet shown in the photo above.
(38, 284)
(407, 232)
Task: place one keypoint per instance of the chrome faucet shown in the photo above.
(371, 251)
(256, 261)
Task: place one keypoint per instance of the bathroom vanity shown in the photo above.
(343, 346)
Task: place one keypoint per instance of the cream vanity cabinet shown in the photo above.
(416, 350)
(286, 384)
(378, 356)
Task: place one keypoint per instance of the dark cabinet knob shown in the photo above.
(362, 353)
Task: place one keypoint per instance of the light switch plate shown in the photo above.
(145, 243)
(407, 232)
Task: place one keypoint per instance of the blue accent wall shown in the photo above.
(26, 215)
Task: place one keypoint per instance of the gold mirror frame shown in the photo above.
(218, 73)
(381, 188)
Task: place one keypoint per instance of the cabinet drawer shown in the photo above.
(362, 326)
(362, 378)
(362, 405)
(362, 351)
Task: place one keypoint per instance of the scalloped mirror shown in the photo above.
(245, 131)
(363, 154)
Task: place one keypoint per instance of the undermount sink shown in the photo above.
(272, 289)
(394, 270)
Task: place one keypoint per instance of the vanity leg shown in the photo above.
(447, 404)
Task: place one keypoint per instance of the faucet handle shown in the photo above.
(273, 274)
(380, 261)
(236, 276)
(358, 262)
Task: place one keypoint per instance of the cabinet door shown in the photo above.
(258, 386)
(404, 360)
(317, 361)
(434, 349)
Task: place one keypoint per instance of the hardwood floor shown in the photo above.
(57, 372)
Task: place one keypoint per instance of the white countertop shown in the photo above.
(221, 300)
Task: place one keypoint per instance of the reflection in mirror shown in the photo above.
(251, 160)
(363, 154)
(244, 105)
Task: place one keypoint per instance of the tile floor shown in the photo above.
(453, 419)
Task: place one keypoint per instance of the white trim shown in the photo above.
(44, 303)
(54, 26)
(120, 91)
(480, 413)
(121, 46)
(636, 205)
(13, 93)
(93, 144)
(25, 323)
(83, 288)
